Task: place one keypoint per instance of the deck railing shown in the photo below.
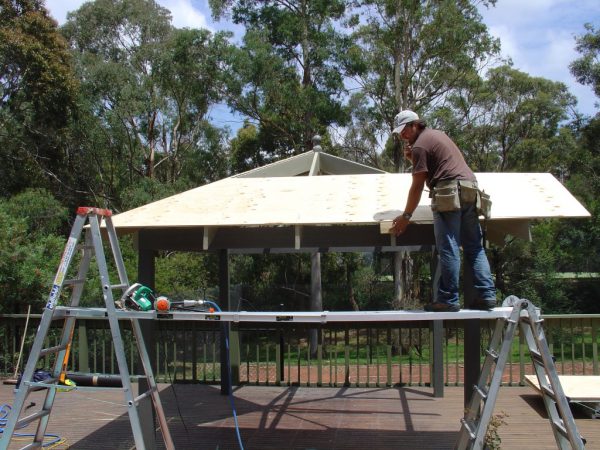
(348, 354)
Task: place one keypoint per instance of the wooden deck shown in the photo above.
(301, 418)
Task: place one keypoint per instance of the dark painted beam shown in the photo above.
(283, 238)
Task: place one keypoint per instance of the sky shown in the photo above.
(538, 36)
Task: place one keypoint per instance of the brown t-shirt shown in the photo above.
(435, 153)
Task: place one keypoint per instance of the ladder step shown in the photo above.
(481, 392)
(119, 286)
(492, 353)
(560, 427)
(140, 397)
(469, 427)
(528, 320)
(549, 392)
(36, 416)
(51, 350)
(50, 383)
(536, 356)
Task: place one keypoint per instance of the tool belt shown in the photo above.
(451, 195)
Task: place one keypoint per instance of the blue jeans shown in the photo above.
(454, 229)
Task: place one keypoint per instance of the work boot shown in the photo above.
(483, 304)
(442, 307)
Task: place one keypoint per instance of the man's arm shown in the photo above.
(414, 196)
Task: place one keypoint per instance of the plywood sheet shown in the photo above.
(578, 388)
(340, 199)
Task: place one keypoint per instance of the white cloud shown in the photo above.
(59, 8)
(539, 37)
(185, 15)
(183, 12)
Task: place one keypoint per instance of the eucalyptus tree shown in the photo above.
(146, 90)
(37, 98)
(586, 68)
(411, 54)
(510, 121)
(285, 78)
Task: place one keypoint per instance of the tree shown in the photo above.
(146, 92)
(37, 98)
(510, 121)
(285, 77)
(411, 55)
(30, 249)
(586, 69)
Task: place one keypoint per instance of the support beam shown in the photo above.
(146, 276)
(228, 334)
(437, 363)
(297, 237)
(208, 237)
(316, 296)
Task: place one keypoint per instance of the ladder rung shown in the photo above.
(144, 395)
(49, 383)
(536, 356)
(492, 353)
(549, 392)
(528, 320)
(560, 427)
(51, 350)
(119, 286)
(482, 393)
(470, 429)
(36, 416)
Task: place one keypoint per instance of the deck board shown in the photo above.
(302, 418)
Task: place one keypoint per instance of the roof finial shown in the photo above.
(316, 143)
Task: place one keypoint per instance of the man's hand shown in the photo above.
(408, 152)
(399, 225)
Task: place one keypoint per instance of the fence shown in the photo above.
(348, 354)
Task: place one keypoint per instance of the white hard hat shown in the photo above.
(402, 118)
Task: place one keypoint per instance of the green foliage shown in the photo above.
(30, 249)
(146, 92)
(284, 76)
(37, 98)
(411, 54)
(586, 69)
(510, 121)
(186, 275)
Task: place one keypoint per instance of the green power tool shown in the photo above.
(138, 297)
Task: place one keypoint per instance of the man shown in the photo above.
(438, 162)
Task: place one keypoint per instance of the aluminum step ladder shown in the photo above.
(481, 406)
(93, 246)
